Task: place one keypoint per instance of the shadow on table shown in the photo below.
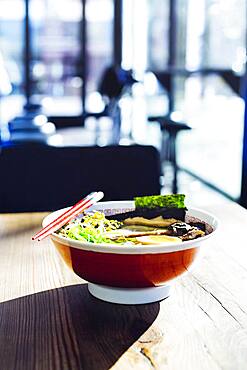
(67, 328)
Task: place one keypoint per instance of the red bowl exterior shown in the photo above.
(127, 270)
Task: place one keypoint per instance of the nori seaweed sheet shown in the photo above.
(149, 213)
(162, 201)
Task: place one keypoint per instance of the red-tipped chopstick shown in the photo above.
(65, 217)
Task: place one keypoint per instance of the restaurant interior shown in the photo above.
(98, 94)
(123, 184)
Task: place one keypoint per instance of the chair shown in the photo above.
(115, 82)
(39, 177)
(170, 128)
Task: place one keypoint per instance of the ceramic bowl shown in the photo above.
(134, 274)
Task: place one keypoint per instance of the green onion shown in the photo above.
(90, 228)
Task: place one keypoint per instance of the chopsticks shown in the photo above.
(65, 217)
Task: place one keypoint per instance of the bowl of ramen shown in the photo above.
(130, 251)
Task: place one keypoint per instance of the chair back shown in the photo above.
(42, 178)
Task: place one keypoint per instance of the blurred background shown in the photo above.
(165, 73)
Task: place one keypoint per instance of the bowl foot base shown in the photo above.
(129, 295)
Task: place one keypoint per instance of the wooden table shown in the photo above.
(48, 320)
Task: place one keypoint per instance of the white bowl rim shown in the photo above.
(139, 249)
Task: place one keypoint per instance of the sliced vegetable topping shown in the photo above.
(90, 228)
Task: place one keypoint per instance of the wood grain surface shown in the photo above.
(48, 320)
